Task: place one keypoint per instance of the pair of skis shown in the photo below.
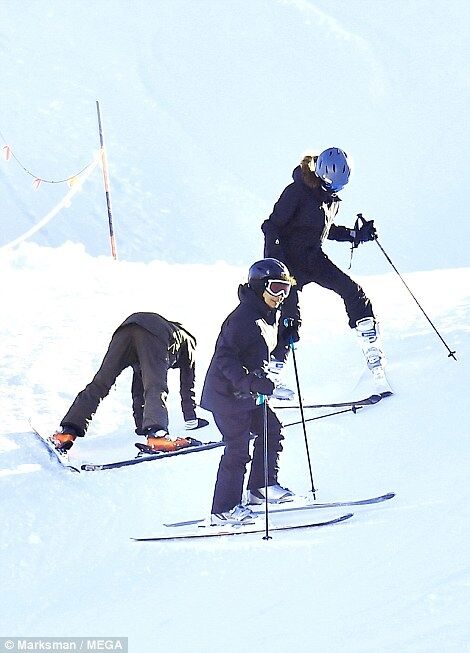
(63, 459)
(198, 528)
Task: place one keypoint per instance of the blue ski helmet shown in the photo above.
(268, 268)
(333, 169)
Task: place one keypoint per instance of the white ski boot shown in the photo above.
(275, 371)
(237, 516)
(276, 494)
(368, 331)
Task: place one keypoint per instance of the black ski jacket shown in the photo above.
(301, 219)
(247, 337)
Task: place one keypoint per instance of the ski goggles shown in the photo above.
(277, 287)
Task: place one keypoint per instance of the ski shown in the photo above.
(367, 401)
(352, 409)
(286, 507)
(218, 531)
(54, 455)
(147, 457)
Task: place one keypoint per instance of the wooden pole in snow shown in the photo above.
(104, 165)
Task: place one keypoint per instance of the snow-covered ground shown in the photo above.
(396, 577)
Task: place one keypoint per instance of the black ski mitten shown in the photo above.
(365, 232)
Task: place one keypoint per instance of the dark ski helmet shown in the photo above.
(268, 268)
(333, 169)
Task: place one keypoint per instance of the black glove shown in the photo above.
(262, 385)
(290, 330)
(365, 232)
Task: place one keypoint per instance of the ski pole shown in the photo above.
(451, 353)
(353, 409)
(264, 401)
(301, 406)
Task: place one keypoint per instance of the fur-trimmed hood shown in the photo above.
(304, 174)
(307, 166)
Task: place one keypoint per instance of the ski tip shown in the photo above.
(374, 399)
(387, 393)
(348, 515)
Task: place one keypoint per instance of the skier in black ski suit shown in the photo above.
(235, 376)
(151, 345)
(294, 233)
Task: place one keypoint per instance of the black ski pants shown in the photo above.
(131, 345)
(237, 431)
(327, 275)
